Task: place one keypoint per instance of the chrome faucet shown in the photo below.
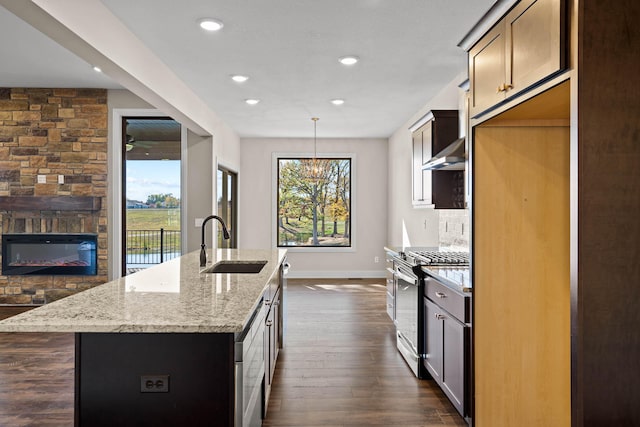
(225, 235)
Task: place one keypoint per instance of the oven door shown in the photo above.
(391, 290)
(407, 316)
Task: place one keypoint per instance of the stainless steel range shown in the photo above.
(409, 277)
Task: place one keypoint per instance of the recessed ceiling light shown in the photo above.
(239, 78)
(97, 69)
(210, 24)
(349, 60)
(337, 101)
(252, 101)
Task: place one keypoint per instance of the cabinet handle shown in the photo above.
(504, 87)
(441, 295)
(269, 323)
(440, 316)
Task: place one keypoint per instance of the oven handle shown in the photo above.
(406, 278)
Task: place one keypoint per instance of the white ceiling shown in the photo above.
(290, 50)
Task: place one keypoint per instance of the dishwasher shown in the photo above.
(249, 371)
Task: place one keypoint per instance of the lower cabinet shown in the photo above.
(272, 342)
(447, 358)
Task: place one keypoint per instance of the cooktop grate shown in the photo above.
(438, 258)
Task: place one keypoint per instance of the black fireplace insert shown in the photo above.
(49, 254)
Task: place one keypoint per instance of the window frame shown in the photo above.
(276, 157)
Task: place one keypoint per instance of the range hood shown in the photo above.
(450, 158)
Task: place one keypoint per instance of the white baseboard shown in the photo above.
(333, 274)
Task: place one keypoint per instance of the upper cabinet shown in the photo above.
(442, 189)
(522, 49)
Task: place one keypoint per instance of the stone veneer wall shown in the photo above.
(53, 132)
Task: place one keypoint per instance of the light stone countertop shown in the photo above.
(170, 297)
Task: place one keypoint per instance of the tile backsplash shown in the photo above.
(454, 229)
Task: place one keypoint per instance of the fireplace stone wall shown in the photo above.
(53, 158)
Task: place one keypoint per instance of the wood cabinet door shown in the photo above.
(417, 167)
(487, 70)
(427, 141)
(524, 48)
(272, 345)
(533, 43)
(421, 154)
(433, 340)
(453, 368)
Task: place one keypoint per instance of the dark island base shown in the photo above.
(110, 367)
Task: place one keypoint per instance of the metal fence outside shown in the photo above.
(152, 246)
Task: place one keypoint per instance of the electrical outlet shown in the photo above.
(42, 179)
(154, 383)
(376, 259)
(60, 179)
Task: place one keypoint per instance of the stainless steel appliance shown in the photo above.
(409, 305)
(249, 371)
(391, 288)
(439, 258)
(409, 315)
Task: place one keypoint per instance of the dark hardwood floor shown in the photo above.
(339, 367)
(36, 379)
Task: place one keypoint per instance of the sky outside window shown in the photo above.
(146, 177)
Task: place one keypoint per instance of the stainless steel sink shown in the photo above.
(236, 266)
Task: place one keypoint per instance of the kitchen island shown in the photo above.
(169, 345)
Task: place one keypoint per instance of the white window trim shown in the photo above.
(274, 202)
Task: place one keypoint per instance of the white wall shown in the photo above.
(409, 226)
(369, 200)
(198, 169)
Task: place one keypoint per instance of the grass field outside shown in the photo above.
(153, 219)
(143, 232)
(300, 233)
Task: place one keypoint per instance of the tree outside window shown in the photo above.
(314, 202)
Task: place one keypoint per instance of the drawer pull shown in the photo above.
(504, 87)
(440, 316)
(441, 295)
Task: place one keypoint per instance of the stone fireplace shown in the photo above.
(53, 180)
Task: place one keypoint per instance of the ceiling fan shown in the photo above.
(133, 142)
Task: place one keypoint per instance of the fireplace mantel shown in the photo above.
(50, 203)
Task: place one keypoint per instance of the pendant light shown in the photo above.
(313, 172)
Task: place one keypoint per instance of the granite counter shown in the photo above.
(172, 297)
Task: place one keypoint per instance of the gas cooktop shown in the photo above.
(440, 258)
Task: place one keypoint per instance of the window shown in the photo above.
(314, 202)
(228, 206)
(151, 183)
